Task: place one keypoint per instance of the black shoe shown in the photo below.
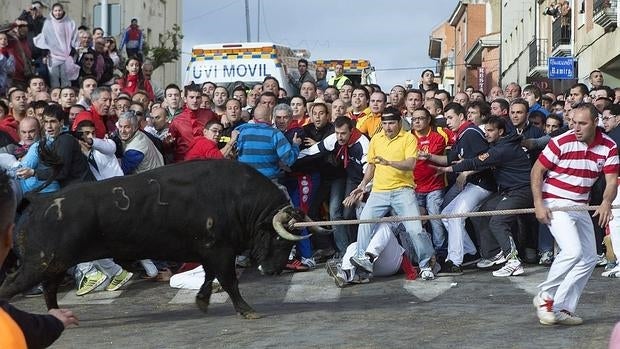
(33, 292)
(470, 259)
(449, 269)
(322, 255)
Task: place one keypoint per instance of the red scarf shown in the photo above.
(462, 128)
(343, 150)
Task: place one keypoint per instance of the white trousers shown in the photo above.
(385, 246)
(574, 234)
(466, 201)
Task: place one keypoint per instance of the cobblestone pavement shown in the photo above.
(306, 310)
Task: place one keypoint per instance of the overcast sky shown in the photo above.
(391, 33)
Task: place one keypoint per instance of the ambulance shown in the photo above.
(360, 71)
(228, 64)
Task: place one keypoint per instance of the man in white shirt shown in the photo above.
(103, 164)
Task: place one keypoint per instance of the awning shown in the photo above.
(474, 55)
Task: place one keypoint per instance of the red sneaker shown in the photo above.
(296, 265)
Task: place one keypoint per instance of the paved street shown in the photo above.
(307, 310)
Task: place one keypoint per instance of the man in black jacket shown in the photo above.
(511, 168)
(39, 331)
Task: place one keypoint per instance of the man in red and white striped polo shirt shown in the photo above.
(572, 162)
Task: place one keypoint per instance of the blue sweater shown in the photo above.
(264, 147)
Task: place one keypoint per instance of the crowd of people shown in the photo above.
(77, 110)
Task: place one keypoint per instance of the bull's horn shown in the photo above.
(278, 224)
(315, 229)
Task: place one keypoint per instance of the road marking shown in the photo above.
(97, 297)
(310, 287)
(530, 280)
(429, 290)
(186, 296)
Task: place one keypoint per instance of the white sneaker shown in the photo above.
(427, 274)
(544, 308)
(546, 258)
(565, 317)
(495, 260)
(612, 273)
(601, 260)
(308, 262)
(512, 268)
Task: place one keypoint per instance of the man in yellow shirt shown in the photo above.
(391, 159)
(371, 124)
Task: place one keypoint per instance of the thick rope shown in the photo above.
(441, 216)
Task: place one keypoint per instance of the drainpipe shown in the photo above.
(501, 42)
(104, 17)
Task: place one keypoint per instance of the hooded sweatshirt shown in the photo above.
(508, 161)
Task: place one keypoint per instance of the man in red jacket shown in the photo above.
(101, 99)
(186, 127)
(19, 48)
(17, 105)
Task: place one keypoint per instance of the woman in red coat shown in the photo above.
(134, 80)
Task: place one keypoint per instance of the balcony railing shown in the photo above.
(538, 53)
(560, 32)
(605, 14)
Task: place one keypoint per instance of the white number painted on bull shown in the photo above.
(58, 205)
(159, 202)
(117, 203)
(230, 71)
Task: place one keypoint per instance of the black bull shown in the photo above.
(200, 211)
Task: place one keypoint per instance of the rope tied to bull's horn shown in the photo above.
(451, 215)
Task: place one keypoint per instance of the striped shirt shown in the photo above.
(573, 166)
(264, 147)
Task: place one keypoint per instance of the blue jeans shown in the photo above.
(402, 202)
(343, 234)
(432, 202)
(295, 189)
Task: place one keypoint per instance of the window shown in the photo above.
(114, 19)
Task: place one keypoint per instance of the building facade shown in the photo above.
(598, 40)
(441, 49)
(469, 22)
(154, 17)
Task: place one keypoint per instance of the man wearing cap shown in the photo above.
(391, 158)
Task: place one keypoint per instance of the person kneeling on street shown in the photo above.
(389, 257)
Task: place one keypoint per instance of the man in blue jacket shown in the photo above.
(511, 168)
